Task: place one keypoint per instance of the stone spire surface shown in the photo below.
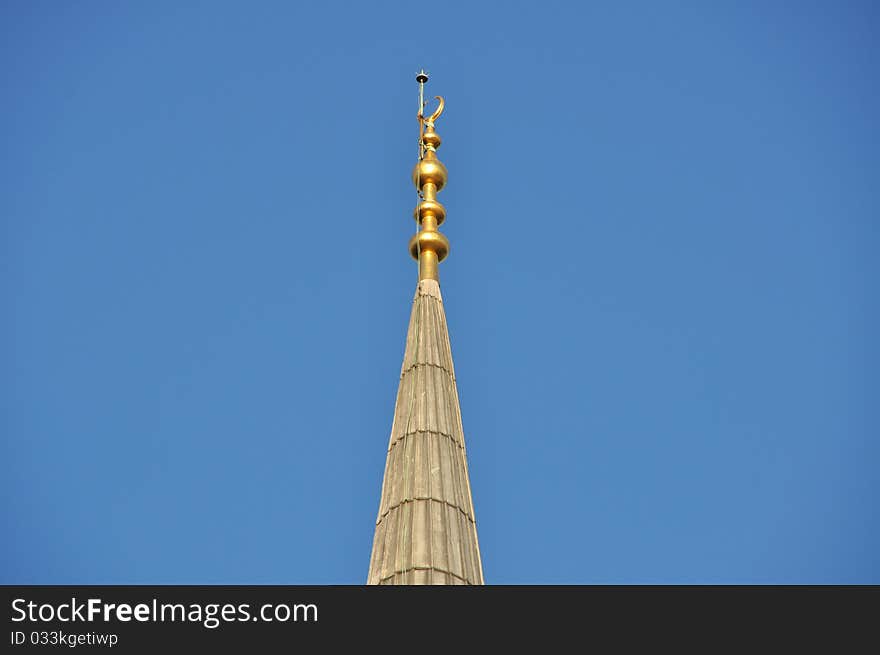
(426, 531)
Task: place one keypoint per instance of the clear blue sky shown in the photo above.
(661, 293)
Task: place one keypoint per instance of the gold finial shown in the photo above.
(429, 247)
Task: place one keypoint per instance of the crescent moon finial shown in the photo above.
(433, 117)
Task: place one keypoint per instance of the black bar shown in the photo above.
(244, 618)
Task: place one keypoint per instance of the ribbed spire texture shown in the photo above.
(425, 531)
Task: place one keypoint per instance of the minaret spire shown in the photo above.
(426, 531)
(428, 247)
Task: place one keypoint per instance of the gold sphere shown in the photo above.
(430, 208)
(431, 138)
(426, 240)
(430, 170)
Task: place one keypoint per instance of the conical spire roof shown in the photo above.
(425, 531)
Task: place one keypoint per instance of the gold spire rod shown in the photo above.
(429, 247)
